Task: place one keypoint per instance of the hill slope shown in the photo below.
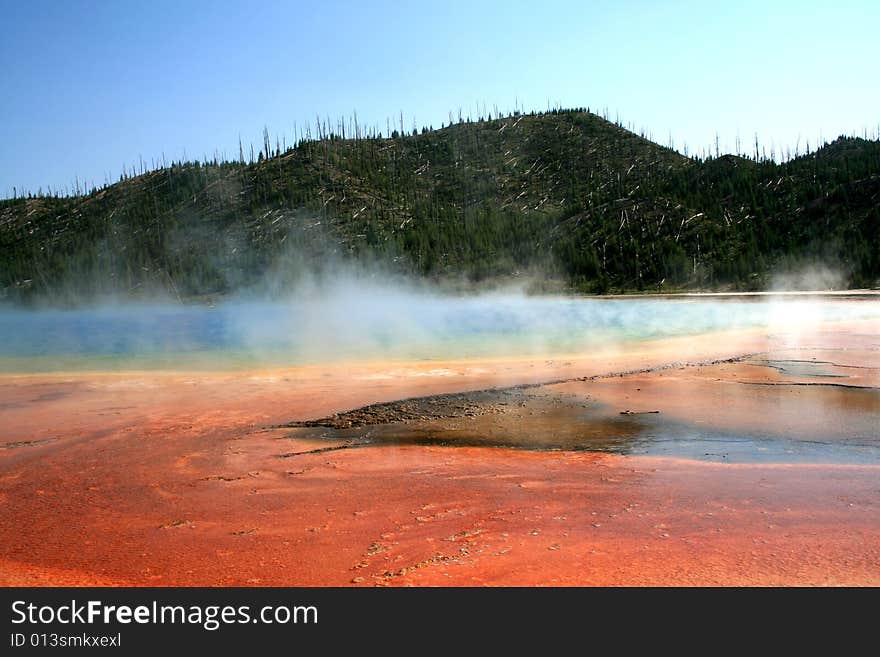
(566, 193)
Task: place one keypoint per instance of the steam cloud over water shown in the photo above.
(352, 318)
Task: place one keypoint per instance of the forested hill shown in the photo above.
(564, 195)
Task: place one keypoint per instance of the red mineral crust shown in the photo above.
(140, 478)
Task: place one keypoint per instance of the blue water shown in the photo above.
(374, 325)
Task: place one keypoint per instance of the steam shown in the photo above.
(358, 313)
(814, 277)
(315, 306)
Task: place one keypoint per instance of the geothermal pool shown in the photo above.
(407, 438)
(383, 324)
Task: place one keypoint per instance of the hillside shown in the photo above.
(565, 194)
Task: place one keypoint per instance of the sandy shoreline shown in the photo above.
(171, 478)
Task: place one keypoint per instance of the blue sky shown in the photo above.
(86, 87)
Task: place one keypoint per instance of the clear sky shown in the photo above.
(86, 87)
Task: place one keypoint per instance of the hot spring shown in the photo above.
(345, 323)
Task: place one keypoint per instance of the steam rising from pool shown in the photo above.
(348, 318)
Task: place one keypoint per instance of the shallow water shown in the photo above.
(548, 419)
(379, 325)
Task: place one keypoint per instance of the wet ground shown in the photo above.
(809, 410)
(733, 459)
